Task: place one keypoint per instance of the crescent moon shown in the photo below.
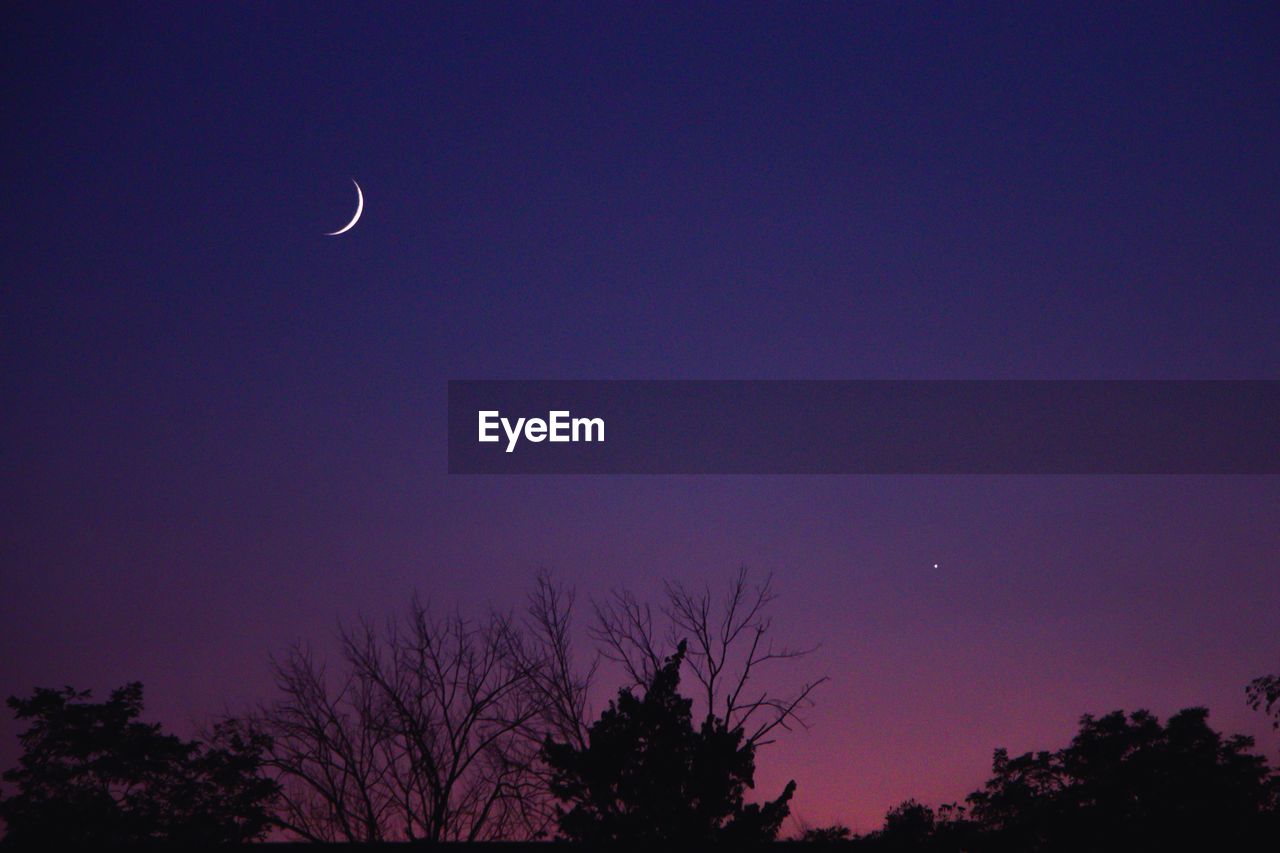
(359, 210)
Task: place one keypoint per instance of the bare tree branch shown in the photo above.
(623, 631)
(433, 730)
(730, 647)
(430, 727)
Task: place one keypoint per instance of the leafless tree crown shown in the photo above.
(430, 727)
(729, 648)
(431, 731)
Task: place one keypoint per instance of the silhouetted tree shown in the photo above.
(836, 833)
(908, 824)
(647, 775)
(1264, 695)
(913, 826)
(729, 646)
(1129, 783)
(430, 728)
(90, 772)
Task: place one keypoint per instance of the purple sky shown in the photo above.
(223, 431)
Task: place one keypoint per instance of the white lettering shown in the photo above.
(559, 421)
(587, 425)
(487, 423)
(512, 434)
(559, 427)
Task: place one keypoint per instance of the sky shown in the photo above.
(223, 431)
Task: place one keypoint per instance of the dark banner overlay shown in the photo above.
(864, 427)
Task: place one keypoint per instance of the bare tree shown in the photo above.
(430, 727)
(562, 688)
(326, 756)
(430, 733)
(729, 647)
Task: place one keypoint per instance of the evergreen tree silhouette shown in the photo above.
(647, 775)
(92, 773)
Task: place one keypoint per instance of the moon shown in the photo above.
(359, 210)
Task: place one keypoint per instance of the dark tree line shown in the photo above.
(1125, 782)
(91, 772)
(433, 726)
(436, 727)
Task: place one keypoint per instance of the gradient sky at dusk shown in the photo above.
(223, 431)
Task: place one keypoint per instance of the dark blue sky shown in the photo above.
(222, 430)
